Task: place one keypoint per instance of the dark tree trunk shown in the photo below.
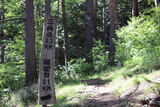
(30, 53)
(135, 12)
(2, 46)
(113, 13)
(65, 27)
(106, 34)
(47, 8)
(90, 22)
(2, 52)
(106, 25)
(93, 15)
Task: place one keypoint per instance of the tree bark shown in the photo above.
(135, 12)
(113, 13)
(65, 27)
(30, 53)
(106, 25)
(157, 2)
(94, 12)
(47, 8)
(90, 22)
(2, 46)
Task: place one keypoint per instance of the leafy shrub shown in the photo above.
(76, 68)
(100, 56)
(12, 75)
(11, 80)
(138, 42)
(29, 95)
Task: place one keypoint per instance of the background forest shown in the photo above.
(117, 38)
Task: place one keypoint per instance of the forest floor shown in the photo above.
(117, 89)
(106, 96)
(117, 94)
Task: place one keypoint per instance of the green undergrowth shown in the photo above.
(68, 91)
(69, 95)
(127, 81)
(120, 79)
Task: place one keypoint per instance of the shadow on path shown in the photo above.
(95, 81)
(105, 101)
(110, 100)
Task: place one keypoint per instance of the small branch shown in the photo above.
(11, 19)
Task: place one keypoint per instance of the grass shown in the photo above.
(118, 79)
(123, 80)
(67, 95)
(68, 92)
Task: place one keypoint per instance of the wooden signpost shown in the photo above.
(47, 63)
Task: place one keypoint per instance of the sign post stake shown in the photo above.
(47, 63)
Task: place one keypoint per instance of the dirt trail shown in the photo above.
(100, 95)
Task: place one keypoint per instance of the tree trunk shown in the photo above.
(47, 8)
(93, 15)
(30, 53)
(65, 27)
(90, 22)
(157, 2)
(106, 25)
(135, 12)
(113, 13)
(2, 46)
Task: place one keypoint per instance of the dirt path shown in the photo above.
(103, 93)
(100, 95)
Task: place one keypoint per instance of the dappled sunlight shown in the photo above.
(69, 95)
(79, 53)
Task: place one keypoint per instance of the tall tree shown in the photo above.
(30, 53)
(157, 2)
(65, 27)
(93, 15)
(106, 25)
(90, 25)
(113, 13)
(135, 8)
(2, 46)
(47, 8)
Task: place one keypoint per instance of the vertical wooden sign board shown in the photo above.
(47, 63)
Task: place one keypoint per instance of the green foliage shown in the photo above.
(11, 81)
(15, 50)
(28, 96)
(69, 95)
(138, 46)
(12, 75)
(138, 42)
(76, 68)
(100, 56)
